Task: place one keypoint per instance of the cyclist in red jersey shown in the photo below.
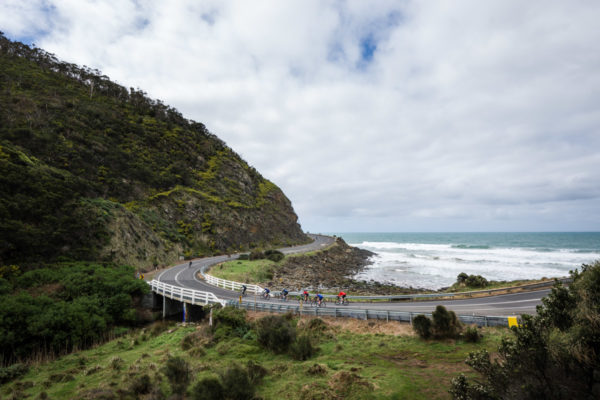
(341, 297)
(305, 295)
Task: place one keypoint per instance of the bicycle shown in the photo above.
(266, 295)
(315, 302)
(342, 301)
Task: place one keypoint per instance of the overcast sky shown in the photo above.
(370, 115)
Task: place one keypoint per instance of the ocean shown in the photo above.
(433, 260)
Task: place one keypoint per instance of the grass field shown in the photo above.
(356, 360)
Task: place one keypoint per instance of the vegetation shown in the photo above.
(553, 355)
(356, 360)
(471, 281)
(245, 270)
(57, 308)
(444, 324)
(90, 170)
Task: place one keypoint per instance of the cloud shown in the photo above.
(370, 115)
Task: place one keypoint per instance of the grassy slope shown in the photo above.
(388, 365)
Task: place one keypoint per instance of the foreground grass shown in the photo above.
(356, 360)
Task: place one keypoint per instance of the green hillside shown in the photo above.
(90, 170)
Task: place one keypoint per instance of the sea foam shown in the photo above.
(433, 266)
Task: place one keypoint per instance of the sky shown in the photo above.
(372, 116)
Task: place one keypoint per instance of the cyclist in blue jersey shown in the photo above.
(266, 293)
(319, 298)
(284, 294)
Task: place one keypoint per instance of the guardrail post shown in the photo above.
(387, 316)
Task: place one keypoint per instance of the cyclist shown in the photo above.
(190, 265)
(319, 299)
(244, 290)
(266, 293)
(284, 294)
(341, 297)
(305, 295)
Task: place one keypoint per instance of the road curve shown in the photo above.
(500, 305)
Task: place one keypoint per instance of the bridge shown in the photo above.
(187, 289)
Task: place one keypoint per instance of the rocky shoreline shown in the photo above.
(331, 270)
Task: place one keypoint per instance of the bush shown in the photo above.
(14, 371)
(244, 257)
(275, 333)
(238, 383)
(422, 326)
(257, 255)
(255, 372)
(208, 389)
(472, 334)
(141, 385)
(274, 255)
(445, 323)
(178, 373)
(302, 348)
(476, 281)
(233, 320)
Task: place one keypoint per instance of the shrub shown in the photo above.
(244, 257)
(116, 363)
(178, 373)
(231, 321)
(476, 281)
(274, 255)
(257, 255)
(445, 323)
(238, 383)
(422, 326)
(462, 277)
(255, 372)
(208, 389)
(14, 371)
(302, 348)
(275, 333)
(472, 334)
(141, 385)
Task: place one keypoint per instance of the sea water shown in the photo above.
(433, 260)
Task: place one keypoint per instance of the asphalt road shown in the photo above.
(500, 305)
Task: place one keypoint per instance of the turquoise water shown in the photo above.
(433, 260)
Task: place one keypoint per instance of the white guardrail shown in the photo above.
(231, 285)
(190, 296)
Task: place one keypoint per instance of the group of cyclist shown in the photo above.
(305, 296)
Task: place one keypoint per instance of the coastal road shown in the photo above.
(500, 305)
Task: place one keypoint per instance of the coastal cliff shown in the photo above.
(90, 170)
